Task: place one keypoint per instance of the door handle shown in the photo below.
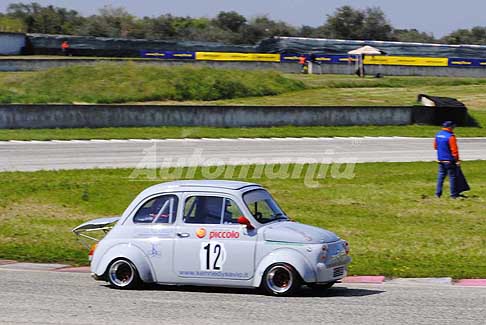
(183, 234)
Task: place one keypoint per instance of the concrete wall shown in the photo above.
(77, 116)
(392, 70)
(11, 43)
(28, 64)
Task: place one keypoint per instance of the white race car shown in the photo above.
(213, 233)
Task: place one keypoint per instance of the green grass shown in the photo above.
(136, 84)
(207, 132)
(148, 84)
(121, 83)
(345, 90)
(387, 212)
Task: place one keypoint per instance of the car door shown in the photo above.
(209, 243)
(153, 232)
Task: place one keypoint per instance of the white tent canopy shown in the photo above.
(366, 50)
(361, 52)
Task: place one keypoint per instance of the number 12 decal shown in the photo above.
(212, 256)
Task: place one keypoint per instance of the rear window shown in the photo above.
(161, 209)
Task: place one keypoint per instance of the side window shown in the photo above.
(231, 213)
(161, 209)
(203, 209)
(211, 210)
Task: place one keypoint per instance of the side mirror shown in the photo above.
(244, 221)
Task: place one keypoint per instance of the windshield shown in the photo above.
(263, 207)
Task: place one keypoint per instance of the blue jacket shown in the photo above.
(446, 145)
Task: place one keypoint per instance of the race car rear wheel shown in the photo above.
(281, 280)
(122, 274)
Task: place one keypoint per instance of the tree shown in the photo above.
(49, 20)
(476, 35)
(110, 22)
(227, 27)
(307, 31)
(230, 20)
(375, 25)
(350, 23)
(261, 27)
(412, 35)
(346, 23)
(10, 24)
(159, 27)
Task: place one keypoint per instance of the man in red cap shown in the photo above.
(448, 157)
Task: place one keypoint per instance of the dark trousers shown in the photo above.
(447, 169)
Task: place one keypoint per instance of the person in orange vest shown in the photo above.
(448, 158)
(65, 47)
(302, 62)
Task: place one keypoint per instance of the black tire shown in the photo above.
(281, 279)
(122, 274)
(320, 286)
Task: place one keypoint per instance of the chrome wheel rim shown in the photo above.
(279, 279)
(121, 273)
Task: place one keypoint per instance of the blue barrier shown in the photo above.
(333, 59)
(345, 59)
(291, 57)
(294, 57)
(168, 55)
(466, 62)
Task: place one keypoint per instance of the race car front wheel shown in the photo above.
(281, 280)
(122, 274)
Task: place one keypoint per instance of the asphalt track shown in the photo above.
(52, 155)
(37, 297)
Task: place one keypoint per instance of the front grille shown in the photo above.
(338, 271)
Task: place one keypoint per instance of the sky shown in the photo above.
(439, 17)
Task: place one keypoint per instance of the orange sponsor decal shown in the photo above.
(201, 233)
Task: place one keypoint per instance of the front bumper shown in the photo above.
(327, 274)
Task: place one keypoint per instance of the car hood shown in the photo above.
(294, 232)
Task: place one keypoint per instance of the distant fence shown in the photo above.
(19, 43)
(93, 116)
(170, 55)
(289, 50)
(211, 56)
(319, 58)
(229, 57)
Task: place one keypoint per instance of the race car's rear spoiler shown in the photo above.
(101, 224)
